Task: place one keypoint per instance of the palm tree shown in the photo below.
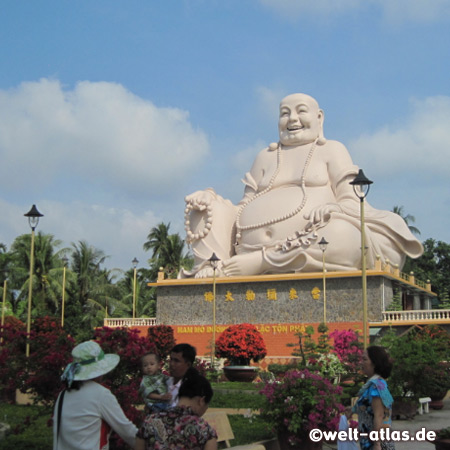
(95, 288)
(174, 256)
(145, 296)
(168, 251)
(5, 268)
(408, 218)
(47, 273)
(86, 261)
(104, 298)
(157, 239)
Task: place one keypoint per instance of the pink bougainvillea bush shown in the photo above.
(299, 402)
(349, 349)
(241, 343)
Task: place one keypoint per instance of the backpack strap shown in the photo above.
(58, 420)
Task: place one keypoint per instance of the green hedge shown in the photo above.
(30, 428)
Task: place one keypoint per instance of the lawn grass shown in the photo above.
(29, 427)
(236, 386)
(248, 430)
(237, 395)
(30, 430)
(237, 399)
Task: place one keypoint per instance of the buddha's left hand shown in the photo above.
(321, 214)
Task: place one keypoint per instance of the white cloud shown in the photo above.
(269, 100)
(418, 11)
(396, 11)
(243, 160)
(119, 232)
(420, 146)
(98, 132)
(298, 8)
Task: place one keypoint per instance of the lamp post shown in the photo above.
(214, 261)
(65, 261)
(135, 262)
(33, 219)
(361, 185)
(323, 246)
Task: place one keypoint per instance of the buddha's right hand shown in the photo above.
(201, 199)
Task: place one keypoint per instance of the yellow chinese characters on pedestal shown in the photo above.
(250, 295)
(271, 294)
(229, 297)
(209, 296)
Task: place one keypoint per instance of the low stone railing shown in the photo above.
(394, 270)
(438, 315)
(129, 322)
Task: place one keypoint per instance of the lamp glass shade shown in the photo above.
(33, 216)
(323, 244)
(361, 185)
(214, 260)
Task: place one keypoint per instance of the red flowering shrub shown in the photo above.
(124, 380)
(163, 338)
(300, 402)
(17, 324)
(241, 343)
(50, 352)
(40, 373)
(12, 359)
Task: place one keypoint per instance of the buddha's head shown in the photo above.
(301, 120)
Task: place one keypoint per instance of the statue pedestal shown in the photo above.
(278, 305)
(287, 298)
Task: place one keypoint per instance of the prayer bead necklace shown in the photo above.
(240, 228)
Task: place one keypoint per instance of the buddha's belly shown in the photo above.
(272, 213)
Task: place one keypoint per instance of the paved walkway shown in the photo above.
(434, 420)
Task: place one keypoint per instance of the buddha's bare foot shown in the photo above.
(208, 272)
(244, 264)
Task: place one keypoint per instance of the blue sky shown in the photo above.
(111, 112)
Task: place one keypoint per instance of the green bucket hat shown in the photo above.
(89, 362)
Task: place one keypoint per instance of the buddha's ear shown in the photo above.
(321, 140)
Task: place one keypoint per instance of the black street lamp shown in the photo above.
(214, 261)
(33, 219)
(65, 260)
(361, 185)
(135, 262)
(323, 246)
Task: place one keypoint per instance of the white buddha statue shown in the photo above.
(297, 191)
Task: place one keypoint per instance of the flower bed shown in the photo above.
(300, 402)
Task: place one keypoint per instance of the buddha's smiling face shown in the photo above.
(300, 120)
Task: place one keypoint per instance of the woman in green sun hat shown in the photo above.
(86, 412)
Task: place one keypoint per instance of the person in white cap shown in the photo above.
(86, 412)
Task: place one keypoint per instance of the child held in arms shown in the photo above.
(154, 388)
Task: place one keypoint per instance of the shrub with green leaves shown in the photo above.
(415, 354)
